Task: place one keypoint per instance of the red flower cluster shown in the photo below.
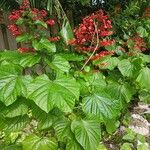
(37, 14)
(146, 12)
(50, 22)
(25, 50)
(102, 54)
(138, 44)
(92, 32)
(25, 4)
(15, 15)
(54, 39)
(93, 26)
(107, 42)
(29, 17)
(14, 30)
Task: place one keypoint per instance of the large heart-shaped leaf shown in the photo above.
(130, 68)
(122, 92)
(101, 105)
(34, 142)
(48, 94)
(63, 131)
(87, 133)
(12, 84)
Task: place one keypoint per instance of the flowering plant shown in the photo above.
(28, 23)
(53, 97)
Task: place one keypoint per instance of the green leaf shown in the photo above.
(111, 125)
(66, 32)
(34, 142)
(87, 133)
(19, 108)
(142, 32)
(144, 96)
(72, 56)
(72, 144)
(37, 45)
(20, 21)
(126, 146)
(28, 60)
(46, 44)
(24, 60)
(45, 120)
(12, 84)
(59, 64)
(62, 129)
(145, 58)
(101, 105)
(92, 82)
(39, 22)
(23, 37)
(130, 69)
(129, 137)
(144, 78)
(84, 2)
(48, 94)
(101, 146)
(107, 63)
(16, 123)
(122, 92)
(143, 146)
(12, 147)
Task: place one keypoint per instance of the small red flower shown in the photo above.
(25, 50)
(107, 42)
(25, 4)
(102, 54)
(43, 13)
(54, 39)
(50, 22)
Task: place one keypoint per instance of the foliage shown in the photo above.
(56, 97)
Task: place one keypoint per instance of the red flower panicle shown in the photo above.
(138, 44)
(91, 34)
(25, 50)
(14, 30)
